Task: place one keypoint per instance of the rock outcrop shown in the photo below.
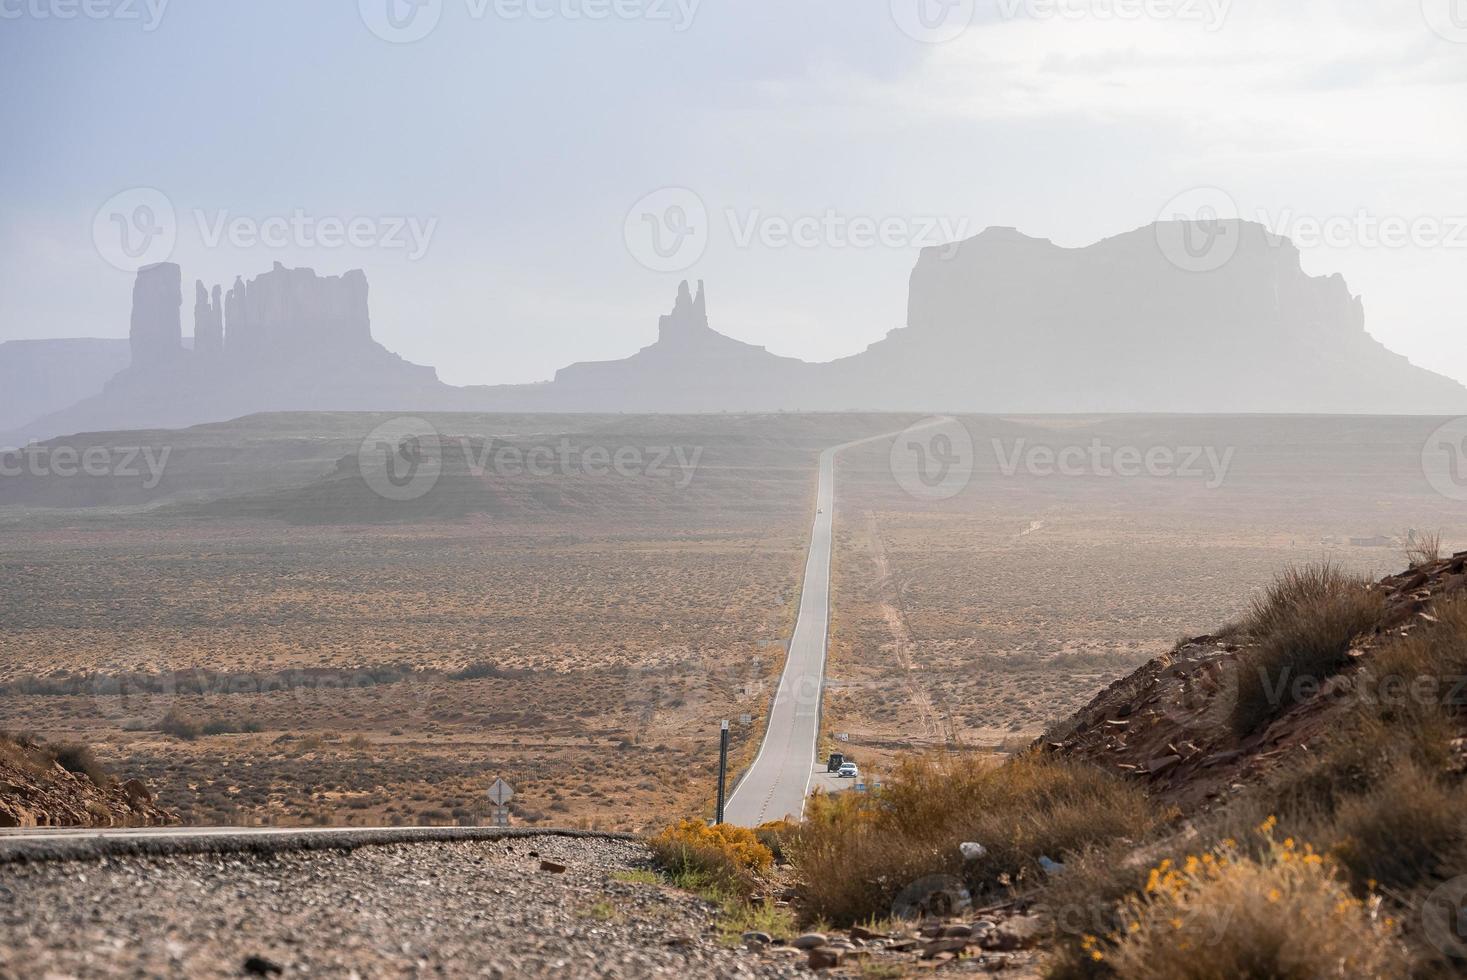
(1007, 323)
(156, 329)
(208, 323)
(691, 368)
(299, 314)
(687, 324)
(1000, 323)
(38, 791)
(288, 340)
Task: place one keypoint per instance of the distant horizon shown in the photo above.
(1283, 241)
(504, 238)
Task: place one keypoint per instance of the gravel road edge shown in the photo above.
(65, 847)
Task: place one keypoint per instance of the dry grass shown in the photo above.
(1304, 627)
(1379, 789)
(1221, 915)
(1404, 832)
(723, 858)
(1423, 548)
(857, 853)
(30, 755)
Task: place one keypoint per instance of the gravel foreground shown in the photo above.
(445, 909)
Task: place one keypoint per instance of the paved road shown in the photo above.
(776, 784)
(784, 772)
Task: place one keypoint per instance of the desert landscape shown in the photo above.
(582, 636)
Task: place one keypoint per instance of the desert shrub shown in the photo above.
(1404, 831)
(180, 725)
(1085, 901)
(1423, 549)
(1304, 627)
(221, 726)
(77, 758)
(697, 855)
(1294, 589)
(857, 853)
(1220, 915)
(774, 835)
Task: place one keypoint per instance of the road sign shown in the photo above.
(500, 793)
(746, 719)
(842, 737)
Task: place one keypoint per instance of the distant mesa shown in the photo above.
(999, 323)
(287, 340)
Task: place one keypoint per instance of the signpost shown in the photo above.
(500, 794)
(722, 768)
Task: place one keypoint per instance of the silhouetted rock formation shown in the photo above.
(295, 310)
(691, 368)
(208, 323)
(687, 324)
(1008, 323)
(157, 328)
(288, 340)
(1000, 323)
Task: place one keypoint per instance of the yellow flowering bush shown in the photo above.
(695, 853)
(1223, 914)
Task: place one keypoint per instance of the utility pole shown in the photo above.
(722, 768)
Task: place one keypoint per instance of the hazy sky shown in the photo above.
(515, 139)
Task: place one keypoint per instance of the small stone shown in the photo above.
(756, 939)
(939, 946)
(258, 966)
(552, 867)
(824, 958)
(957, 930)
(810, 940)
(1016, 933)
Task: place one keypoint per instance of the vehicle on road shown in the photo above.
(835, 761)
(848, 771)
